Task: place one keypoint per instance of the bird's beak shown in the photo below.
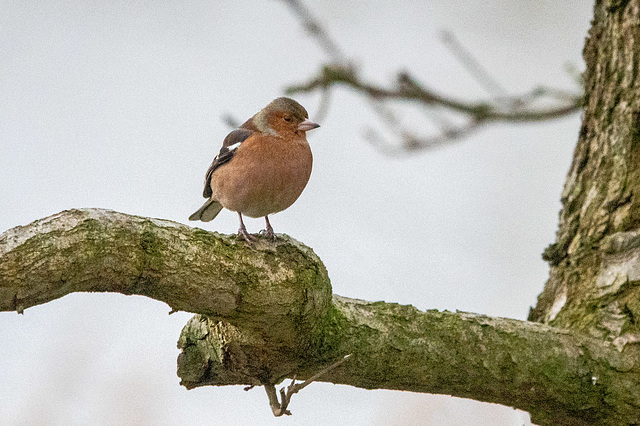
(307, 125)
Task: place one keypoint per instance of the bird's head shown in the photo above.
(284, 117)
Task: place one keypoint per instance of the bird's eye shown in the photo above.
(287, 119)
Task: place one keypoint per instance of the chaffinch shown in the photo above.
(262, 167)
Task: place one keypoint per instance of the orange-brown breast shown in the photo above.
(266, 175)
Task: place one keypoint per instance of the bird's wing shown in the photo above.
(228, 150)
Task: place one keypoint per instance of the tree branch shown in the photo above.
(408, 88)
(95, 250)
(511, 109)
(268, 314)
(503, 108)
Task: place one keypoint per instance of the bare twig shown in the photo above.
(231, 121)
(408, 89)
(511, 109)
(331, 48)
(472, 65)
(323, 106)
(279, 408)
(410, 143)
(500, 108)
(316, 30)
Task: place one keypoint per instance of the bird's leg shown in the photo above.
(242, 231)
(270, 234)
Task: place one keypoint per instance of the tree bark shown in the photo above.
(594, 284)
(265, 312)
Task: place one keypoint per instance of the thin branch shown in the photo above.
(408, 88)
(279, 408)
(411, 143)
(500, 108)
(474, 67)
(231, 121)
(323, 106)
(316, 30)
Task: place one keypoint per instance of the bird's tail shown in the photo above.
(207, 212)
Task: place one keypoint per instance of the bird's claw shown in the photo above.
(269, 234)
(242, 233)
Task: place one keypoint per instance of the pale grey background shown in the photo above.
(117, 104)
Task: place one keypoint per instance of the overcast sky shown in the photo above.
(119, 104)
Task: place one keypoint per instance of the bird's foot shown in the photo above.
(271, 236)
(242, 233)
(268, 232)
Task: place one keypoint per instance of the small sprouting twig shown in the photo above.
(279, 408)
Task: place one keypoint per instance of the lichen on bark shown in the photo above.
(266, 312)
(592, 286)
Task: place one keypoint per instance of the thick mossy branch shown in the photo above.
(94, 250)
(266, 313)
(559, 377)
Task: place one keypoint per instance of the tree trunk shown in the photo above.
(594, 284)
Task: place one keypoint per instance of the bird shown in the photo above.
(262, 167)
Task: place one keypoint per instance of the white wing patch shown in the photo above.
(234, 146)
